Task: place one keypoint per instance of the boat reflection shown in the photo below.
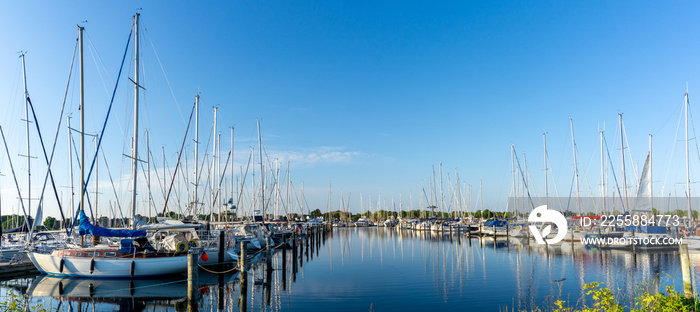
(347, 268)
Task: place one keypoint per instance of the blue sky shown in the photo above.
(369, 95)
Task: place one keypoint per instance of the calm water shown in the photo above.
(378, 269)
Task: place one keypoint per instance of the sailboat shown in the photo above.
(134, 256)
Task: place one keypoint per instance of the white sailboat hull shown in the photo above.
(108, 267)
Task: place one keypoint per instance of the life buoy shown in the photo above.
(193, 243)
(697, 233)
(181, 247)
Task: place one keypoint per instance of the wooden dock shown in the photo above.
(9, 270)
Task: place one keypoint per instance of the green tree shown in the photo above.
(50, 223)
(14, 221)
(316, 213)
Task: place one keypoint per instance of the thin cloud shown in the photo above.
(320, 155)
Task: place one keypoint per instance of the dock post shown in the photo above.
(284, 267)
(685, 268)
(242, 259)
(221, 290)
(192, 279)
(222, 244)
(243, 297)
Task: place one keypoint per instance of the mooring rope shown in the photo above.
(214, 272)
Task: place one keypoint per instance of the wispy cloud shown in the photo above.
(319, 155)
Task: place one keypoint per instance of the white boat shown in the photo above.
(423, 226)
(362, 222)
(107, 263)
(134, 258)
(439, 227)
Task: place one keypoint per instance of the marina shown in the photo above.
(344, 269)
(348, 157)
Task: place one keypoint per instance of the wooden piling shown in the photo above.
(242, 259)
(685, 268)
(192, 279)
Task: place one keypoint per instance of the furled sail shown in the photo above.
(88, 228)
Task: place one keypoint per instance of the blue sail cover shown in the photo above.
(88, 228)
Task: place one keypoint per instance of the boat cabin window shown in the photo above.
(78, 254)
(110, 254)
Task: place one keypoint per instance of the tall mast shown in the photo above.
(217, 196)
(232, 163)
(148, 172)
(546, 187)
(135, 147)
(82, 121)
(26, 119)
(442, 195)
(622, 152)
(573, 146)
(212, 186)
(213, 171)
(196, 152)
(481, 194)
(514, 189)
(262, 177)
(97, 187)
(651, 181)
(70, 167)
(687, 157)
(602, 170)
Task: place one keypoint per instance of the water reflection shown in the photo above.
(353, 269)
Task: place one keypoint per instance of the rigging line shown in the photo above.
(529, 177)
(48, 162)
(26, 218)
(206, 152)
(216, 195)
(13, 121)
(93, 51)
(162, 189)
(585, 177)
(556, 189)
(55, 139)
(571, 190)
(87, 194)
(148, 36)
(109, 109)
(673, 147)
(184, 140)
(114, 189)
(173, 177)
(150, 195)
(523, 178)
(692, 125)
(617, 185)
(629, 152)
(243, 179)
